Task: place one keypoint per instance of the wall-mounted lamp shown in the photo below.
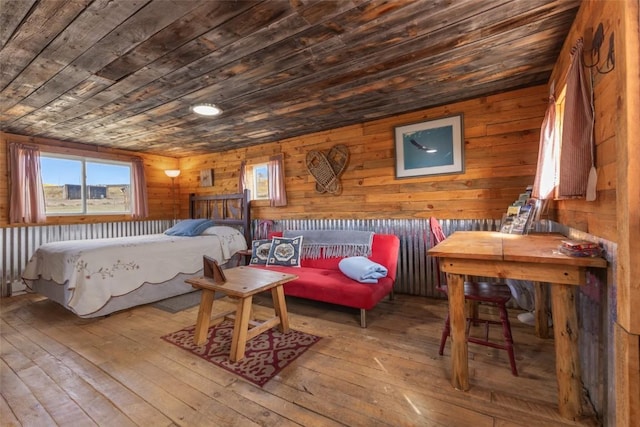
(596, 44)
(206, 109)
(173, 174)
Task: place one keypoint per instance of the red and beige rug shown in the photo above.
(265, 355)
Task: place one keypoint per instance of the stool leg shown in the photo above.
(240, 329)
(445, 333)
(204, 316)
(280, 307)
(508, 339)
(472, 310)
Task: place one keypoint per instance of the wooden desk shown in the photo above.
(529, 257)
(242, 283)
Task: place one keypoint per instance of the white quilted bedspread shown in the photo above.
(95, 270)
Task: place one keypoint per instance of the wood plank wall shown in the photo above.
(158, 184)
(615, 214)
(599, 217)
(501, 134)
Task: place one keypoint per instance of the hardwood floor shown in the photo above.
(58, 369)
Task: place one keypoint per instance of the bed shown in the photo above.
(97, 277)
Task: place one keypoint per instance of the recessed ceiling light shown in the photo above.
(206, 109)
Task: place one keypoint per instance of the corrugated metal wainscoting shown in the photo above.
(415, 272)
(17, 244)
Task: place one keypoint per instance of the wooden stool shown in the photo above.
(497, 295)
(493, 293)
(242, 283)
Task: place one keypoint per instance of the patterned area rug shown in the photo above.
(265, 355)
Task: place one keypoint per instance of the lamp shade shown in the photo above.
(172, 173)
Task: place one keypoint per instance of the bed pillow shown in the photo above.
(362, 269)
(189, 227)
(260, 251)
(285, 251)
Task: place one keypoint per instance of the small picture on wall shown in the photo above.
(206, 178)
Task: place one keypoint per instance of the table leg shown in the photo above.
(565, 330)
(280, 307)
(204, 316)
(541, 311)
(459, 349)
(240, 329)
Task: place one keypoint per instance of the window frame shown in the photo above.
(559, 124)
(84, 159)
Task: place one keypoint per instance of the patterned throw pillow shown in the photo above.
(285, 251)
(260, 251)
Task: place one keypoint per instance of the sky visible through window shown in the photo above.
(62, 171)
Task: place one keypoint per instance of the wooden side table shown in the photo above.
(242, 283)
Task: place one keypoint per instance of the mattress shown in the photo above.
(86, 275)
(145, 294)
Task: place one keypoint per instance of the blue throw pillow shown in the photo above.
(260, 251)
(285, 251)
(189, 227)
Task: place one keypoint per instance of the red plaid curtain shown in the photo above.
(576, 156)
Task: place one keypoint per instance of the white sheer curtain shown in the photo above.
(26, 199)
(277, 191)
(139, 204)
(545, 180)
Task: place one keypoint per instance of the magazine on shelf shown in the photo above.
(513, 210)
(521, 215)
(522, 220)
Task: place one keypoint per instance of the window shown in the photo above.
(547, 173)
(79, 185)
(265, 180)
(257, 181)
(560, 102)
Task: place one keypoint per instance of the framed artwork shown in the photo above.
(206, 178)
(434, 147)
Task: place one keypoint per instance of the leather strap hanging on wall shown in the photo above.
(326, 169)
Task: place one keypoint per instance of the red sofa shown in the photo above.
(321, 279)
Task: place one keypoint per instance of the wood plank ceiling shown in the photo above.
(124, 73)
